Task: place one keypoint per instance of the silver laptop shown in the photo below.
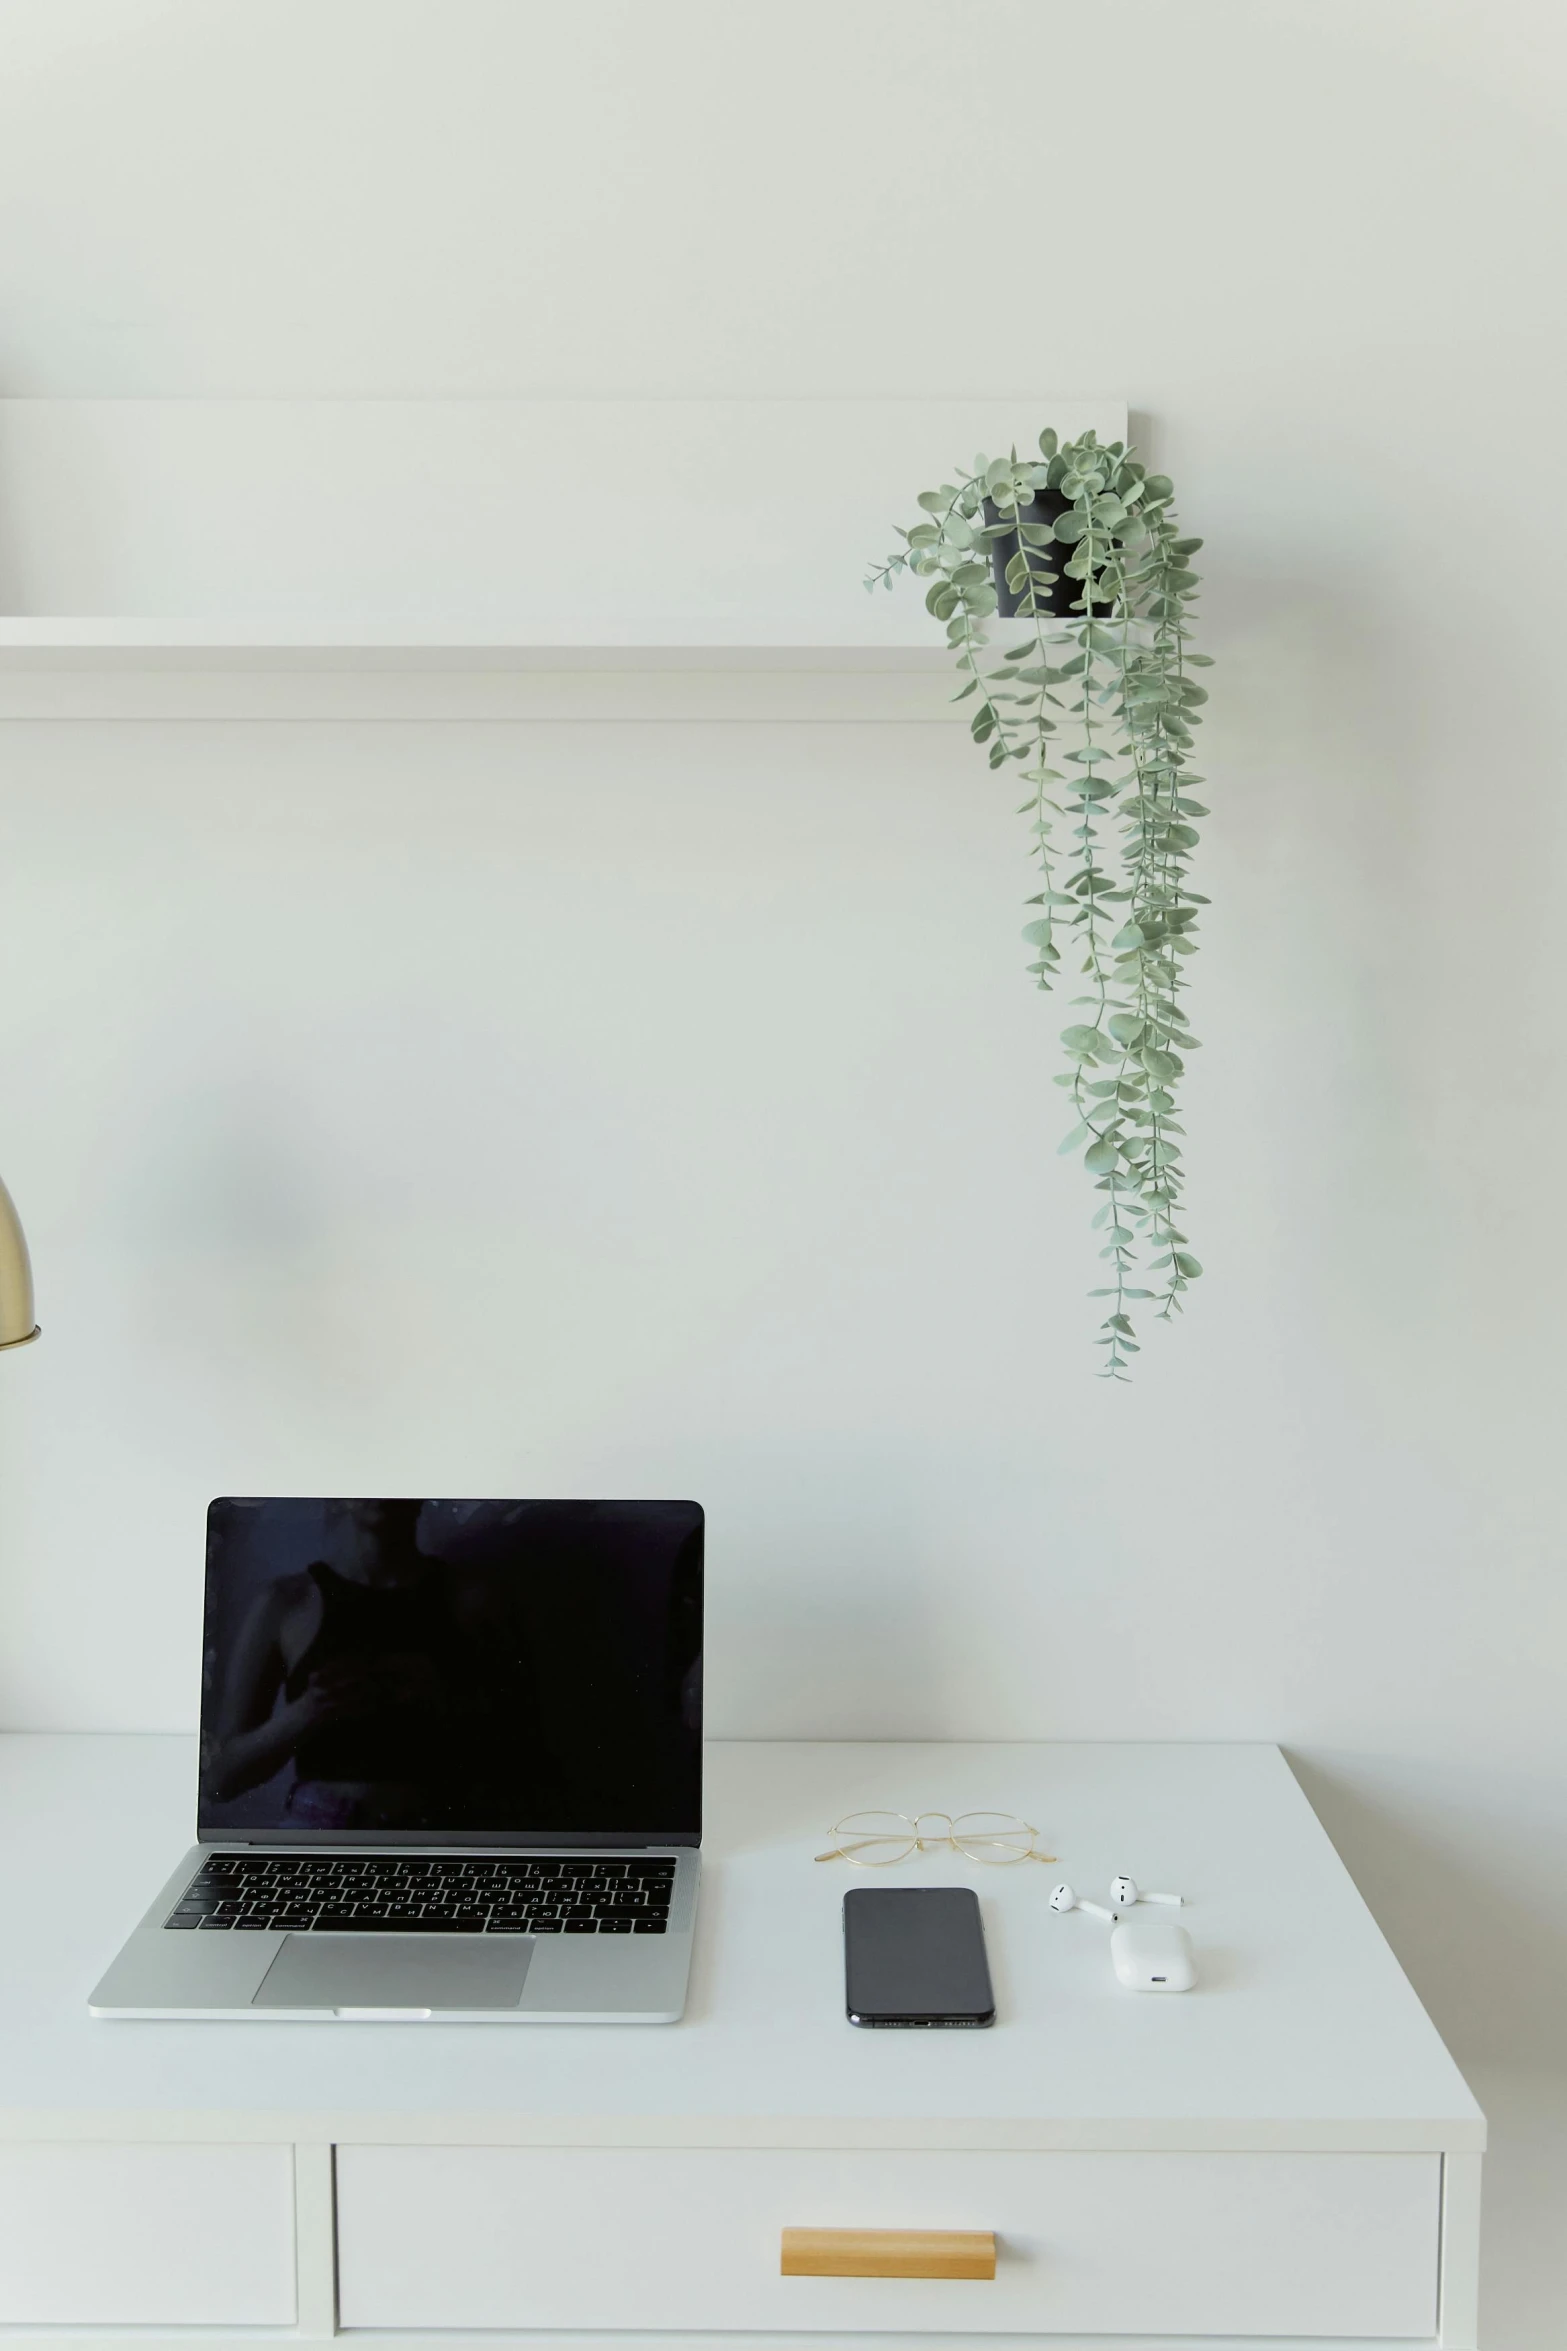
(451, 1768)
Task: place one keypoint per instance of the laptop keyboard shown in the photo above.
(331, 1894)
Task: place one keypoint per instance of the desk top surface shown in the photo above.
(1302, 2032)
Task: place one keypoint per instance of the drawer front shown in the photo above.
(146, 2236)
(648, 2239)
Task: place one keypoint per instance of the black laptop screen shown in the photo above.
(486, 1671)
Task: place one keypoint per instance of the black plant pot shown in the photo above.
(1058, 598)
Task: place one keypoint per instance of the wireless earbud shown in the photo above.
(1063, 1898)
(1125, 1891)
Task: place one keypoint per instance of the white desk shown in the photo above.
(1285, 2155)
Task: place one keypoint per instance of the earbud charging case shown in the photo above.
(1152, 1955)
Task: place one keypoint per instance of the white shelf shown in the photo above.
(117, 643)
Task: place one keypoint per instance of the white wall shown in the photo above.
(601, 1106)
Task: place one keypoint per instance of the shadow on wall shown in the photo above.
(829, 1630)
(1484, 1947)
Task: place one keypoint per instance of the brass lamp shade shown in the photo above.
(16, 1279)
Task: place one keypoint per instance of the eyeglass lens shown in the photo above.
(873, 1839)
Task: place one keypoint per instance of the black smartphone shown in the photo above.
(915, 1955)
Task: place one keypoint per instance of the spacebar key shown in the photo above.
(327, 1924)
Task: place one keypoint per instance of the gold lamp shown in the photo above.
(16, 1278)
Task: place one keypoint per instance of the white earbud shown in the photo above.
(1063, 1898)
(1125, 1891)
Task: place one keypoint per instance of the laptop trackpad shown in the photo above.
(408, 1975)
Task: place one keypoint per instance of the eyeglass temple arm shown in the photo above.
(841, 1852)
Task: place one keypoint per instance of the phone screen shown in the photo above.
(915, 1955)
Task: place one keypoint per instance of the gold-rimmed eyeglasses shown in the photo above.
(874, 1840)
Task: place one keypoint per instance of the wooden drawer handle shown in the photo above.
(888, 2253)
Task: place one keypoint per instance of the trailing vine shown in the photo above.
(1079, 554)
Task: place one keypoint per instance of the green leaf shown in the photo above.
(1072, 1142)
(1187, 1265)
(1101, 1157)
(1126, 1027)
(1038, 934)
(932, 501)
(1069, 527)
(1049, 442)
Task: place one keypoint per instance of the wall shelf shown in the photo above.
(120, 644)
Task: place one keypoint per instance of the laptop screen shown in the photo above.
(468, 1672)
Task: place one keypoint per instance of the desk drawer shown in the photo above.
(95, 2235)
(688, 2239)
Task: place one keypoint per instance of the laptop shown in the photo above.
(450, 1768)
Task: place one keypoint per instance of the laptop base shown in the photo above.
(415, 1979)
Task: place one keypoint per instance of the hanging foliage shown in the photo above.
(1078, 553)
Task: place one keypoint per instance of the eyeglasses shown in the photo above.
(874, 1840)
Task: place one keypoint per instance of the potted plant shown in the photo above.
(1093, 698)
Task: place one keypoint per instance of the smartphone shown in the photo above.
(915, 1955)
